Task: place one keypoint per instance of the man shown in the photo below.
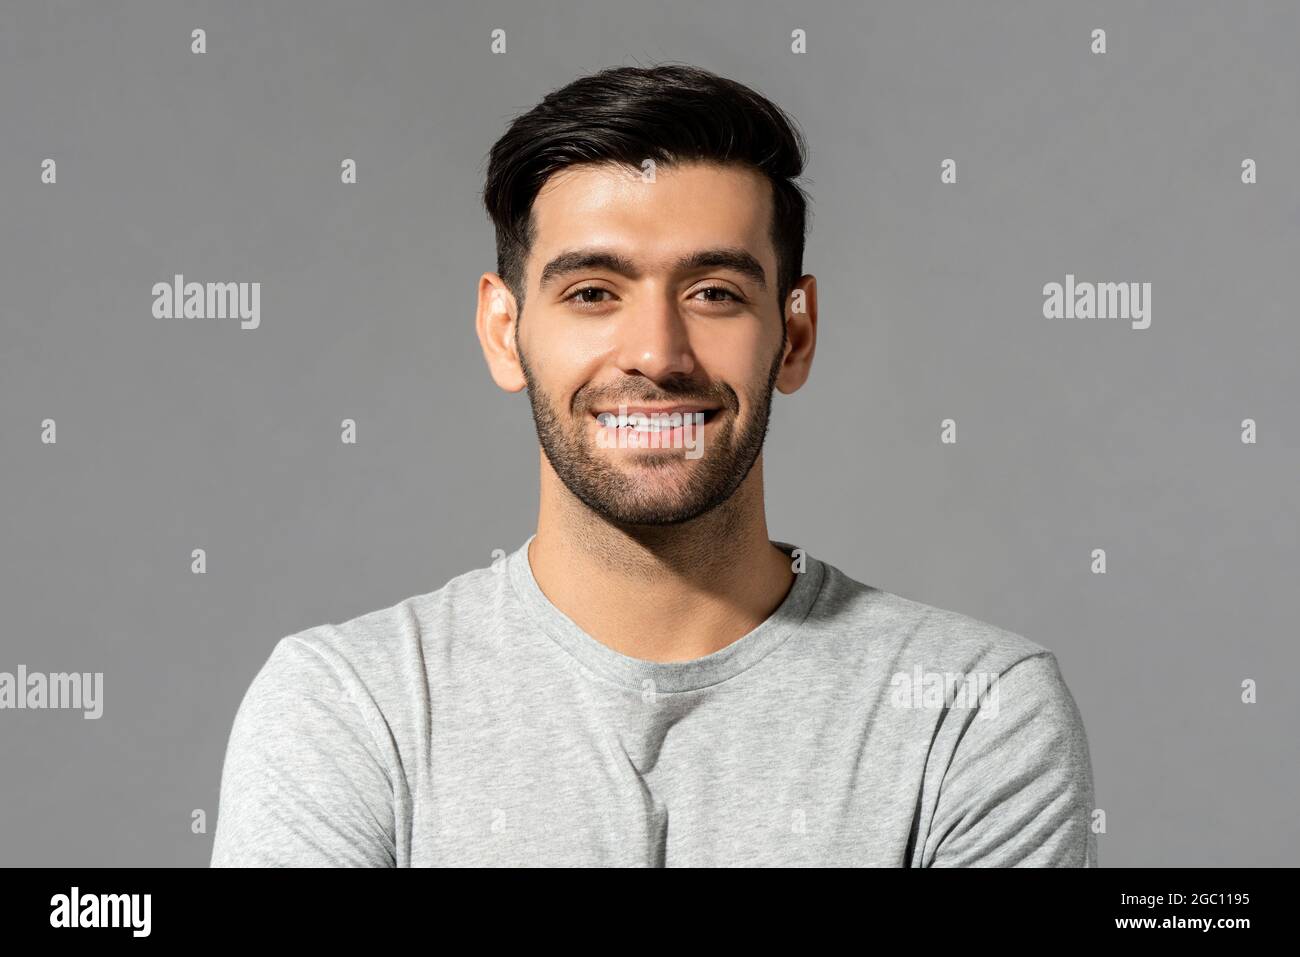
(649, 680)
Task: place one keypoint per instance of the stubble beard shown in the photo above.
(660, 486)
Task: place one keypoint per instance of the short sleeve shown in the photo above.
(1019, 790)
(304, 783)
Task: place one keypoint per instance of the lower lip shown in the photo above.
(668, 440)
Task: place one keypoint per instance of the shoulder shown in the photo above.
(377, 658)
(910, 632)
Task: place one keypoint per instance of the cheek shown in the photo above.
(563, 361)
(742, 359)
(567, 342)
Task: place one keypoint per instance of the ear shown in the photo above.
(495, 325)
(801, 335)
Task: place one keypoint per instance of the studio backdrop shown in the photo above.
(1055, 386)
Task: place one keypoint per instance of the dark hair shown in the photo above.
(668, 113)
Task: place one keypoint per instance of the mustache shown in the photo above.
(724, 397)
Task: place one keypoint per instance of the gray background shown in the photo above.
(1072, 435)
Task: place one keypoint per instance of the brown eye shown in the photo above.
(721, 289)
(579, 295)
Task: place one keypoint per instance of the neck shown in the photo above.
(660, 593)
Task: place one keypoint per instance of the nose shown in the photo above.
(653, 341)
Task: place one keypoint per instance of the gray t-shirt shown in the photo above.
(478, 725)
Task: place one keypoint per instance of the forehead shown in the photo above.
(688, 207)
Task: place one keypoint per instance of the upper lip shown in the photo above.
(654, 409)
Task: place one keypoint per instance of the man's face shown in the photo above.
(656, 296)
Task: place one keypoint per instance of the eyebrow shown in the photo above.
(722, 258)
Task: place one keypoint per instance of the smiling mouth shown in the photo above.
(654, 420)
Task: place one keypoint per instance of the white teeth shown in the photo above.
(640, 423)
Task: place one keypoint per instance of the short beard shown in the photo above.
(619, 499)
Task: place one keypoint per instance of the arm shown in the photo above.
(1019, 791)
(304, 783)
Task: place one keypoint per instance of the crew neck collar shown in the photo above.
(671, 676)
